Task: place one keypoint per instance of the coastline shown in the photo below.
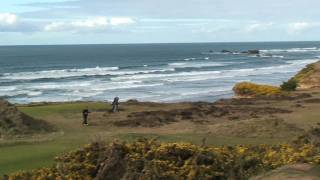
(226, 122)
(189, 73)
(141, 115)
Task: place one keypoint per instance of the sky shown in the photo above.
(33, 22)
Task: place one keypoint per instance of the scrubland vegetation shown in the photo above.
(153, 160)
(229, 139)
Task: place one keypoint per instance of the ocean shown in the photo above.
(146, 72)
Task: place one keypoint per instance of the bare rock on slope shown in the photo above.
(14, 122)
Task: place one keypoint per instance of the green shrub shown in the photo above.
(290, 85)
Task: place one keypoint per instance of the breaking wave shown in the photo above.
(292, 50)
(158, 75)
(66, 73)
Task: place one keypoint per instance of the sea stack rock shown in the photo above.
(226, 51)
(254, 52)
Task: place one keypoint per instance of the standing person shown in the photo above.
(115, 104)
(85, 114)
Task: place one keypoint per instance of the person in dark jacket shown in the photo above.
(115, 104)
(85, 114)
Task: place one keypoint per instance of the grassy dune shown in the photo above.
(226, 122)
(16, 154)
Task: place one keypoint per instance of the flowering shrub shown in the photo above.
(248, 89)
(152, 160)
(81, 164)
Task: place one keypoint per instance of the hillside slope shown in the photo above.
(309, 77)
(13, 122)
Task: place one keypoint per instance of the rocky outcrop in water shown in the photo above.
(249, 52)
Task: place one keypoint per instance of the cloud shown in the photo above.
(185, 20)
(160, 20)
(121, 21)
(258, 27)
(226, 9)
(8, 20)
(91, 24)
(299, 27)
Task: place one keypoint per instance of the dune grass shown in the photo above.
(305, 73)
(35, 152)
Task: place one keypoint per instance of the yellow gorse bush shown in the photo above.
(256, 90)
(153, 160)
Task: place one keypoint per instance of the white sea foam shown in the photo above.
(34, 93)
(65, 85)
(83, 89)
(205, 91)
(66, 73)
(22, 91)
(7, 88)
(269, 56)
(196, 64)
(59, 73)
(177, 64)
(160, 83)
(277, 56)
(121, 85)
(292, 50)
(191, 59)
(302, 62)
(291, 66)
(82, 93)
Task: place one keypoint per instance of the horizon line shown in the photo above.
(145, 43)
